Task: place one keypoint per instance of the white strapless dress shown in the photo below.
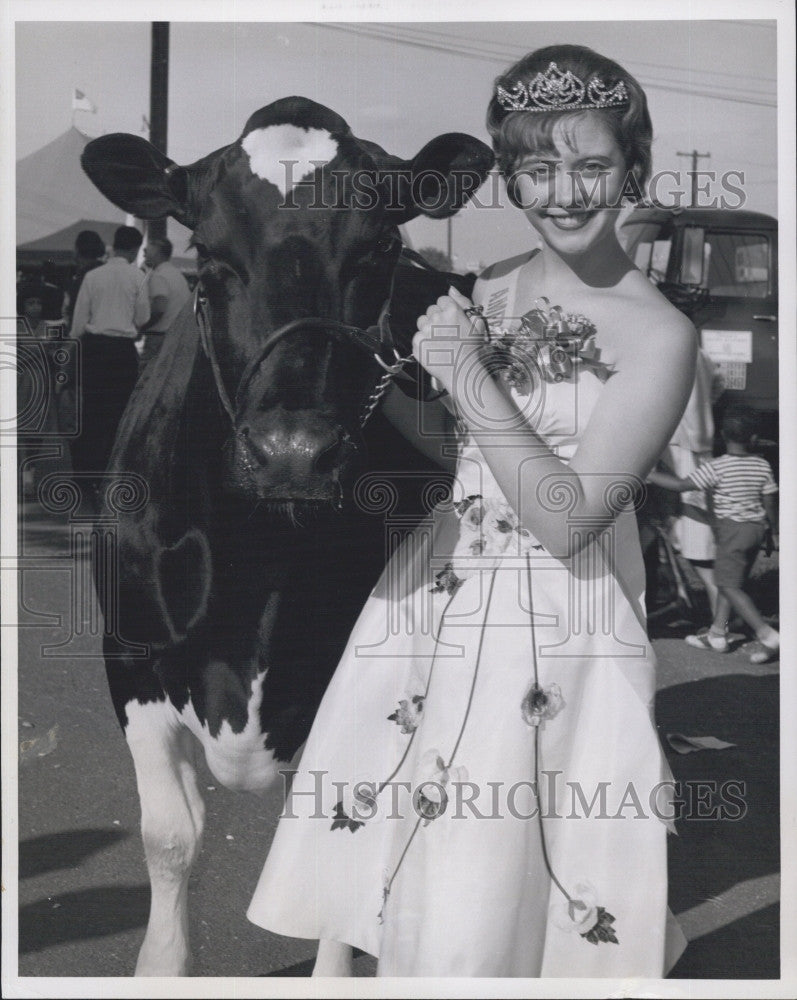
(483, 792)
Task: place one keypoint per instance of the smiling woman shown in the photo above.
(506, 640)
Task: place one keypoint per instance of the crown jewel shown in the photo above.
(555, 90)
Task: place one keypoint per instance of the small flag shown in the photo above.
(81, 103)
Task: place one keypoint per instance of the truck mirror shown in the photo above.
(692, 256)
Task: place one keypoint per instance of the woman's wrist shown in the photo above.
(468, 374)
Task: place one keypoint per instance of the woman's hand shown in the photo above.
(448, 341)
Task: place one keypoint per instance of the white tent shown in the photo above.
(53, 193)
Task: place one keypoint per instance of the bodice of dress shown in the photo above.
(557, 411)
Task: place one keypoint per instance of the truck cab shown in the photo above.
(720, 267)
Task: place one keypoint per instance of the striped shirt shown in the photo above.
(737, 484)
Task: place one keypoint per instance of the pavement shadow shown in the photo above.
(730, 832)
(76, 916)
(715, 955)
(364, 965)
(67, 849)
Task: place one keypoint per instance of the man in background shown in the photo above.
(111, 307)
(89, 253)
(168, 293)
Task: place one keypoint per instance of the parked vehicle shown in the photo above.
(720, 267)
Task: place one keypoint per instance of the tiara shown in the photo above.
(554, 90)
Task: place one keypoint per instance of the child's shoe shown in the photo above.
(766, 651)
(709, 640)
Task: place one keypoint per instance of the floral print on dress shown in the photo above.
(580, 912)
(356, 806)
(541, 703)
(447, 581)
(488, 531)
(408, 714)
(432, 777)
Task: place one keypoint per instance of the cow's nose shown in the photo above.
(294, 460)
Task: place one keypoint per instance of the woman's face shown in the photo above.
(571, 193)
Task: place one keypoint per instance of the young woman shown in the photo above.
(483, 792)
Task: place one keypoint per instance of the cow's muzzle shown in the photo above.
(296, 457)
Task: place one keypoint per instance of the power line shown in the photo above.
(455, 48)
(487, 46)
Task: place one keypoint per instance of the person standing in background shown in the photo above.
(111, 307)
(168, 293)
(36, 414)
(89, 253)
(692, 532)
(743, 489)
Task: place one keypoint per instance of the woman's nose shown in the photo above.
(564, 189)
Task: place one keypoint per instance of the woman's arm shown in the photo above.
(630, 425)
(429, 427)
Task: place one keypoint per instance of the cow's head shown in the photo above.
(295, 227)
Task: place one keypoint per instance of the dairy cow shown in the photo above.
(241, 571)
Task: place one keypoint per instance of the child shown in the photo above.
(743, 489)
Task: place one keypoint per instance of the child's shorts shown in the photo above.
(738, 543)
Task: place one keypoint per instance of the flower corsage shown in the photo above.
(546, 342)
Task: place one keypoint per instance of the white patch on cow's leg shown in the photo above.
(172, 821)
(333, 959)
(284, 154)
(238, 760)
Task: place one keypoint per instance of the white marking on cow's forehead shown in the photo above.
(297, 147)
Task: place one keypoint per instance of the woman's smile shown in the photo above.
(569, 221)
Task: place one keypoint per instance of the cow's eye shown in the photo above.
(375, 255)
(385, 243)
(201, 251)
(218, 278)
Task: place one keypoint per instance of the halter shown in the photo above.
(373, 339)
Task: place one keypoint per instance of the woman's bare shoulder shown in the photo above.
(652, 315)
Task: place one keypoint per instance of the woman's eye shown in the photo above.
(594, 167)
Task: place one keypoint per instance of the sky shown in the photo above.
(711, 86)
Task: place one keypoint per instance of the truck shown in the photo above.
(720, 267)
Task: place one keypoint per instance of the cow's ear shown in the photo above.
(442, 177)
(137, 177)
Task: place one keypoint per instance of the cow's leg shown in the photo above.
(172, 821)
(333, 959)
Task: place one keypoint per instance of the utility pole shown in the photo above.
(159, 101)
(695, 156)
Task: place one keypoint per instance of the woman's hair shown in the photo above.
(515, 134)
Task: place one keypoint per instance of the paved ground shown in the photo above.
(83, 891)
